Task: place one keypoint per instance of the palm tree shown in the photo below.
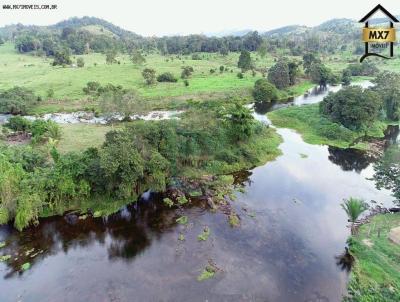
(353, 208)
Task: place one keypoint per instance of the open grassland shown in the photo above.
(36, 73)
(376, 274)
(78, 137)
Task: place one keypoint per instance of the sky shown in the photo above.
(168, 17)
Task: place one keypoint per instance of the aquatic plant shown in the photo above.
(204, 235)
(182, 200)
(25, 266)
(4, 258)
(168, 202)
(234, 220)
(182, 220)
(208, 273)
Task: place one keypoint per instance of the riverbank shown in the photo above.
(376, 272)
(319, 130)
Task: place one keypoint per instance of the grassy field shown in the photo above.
(37, 74)
(316, 129)
(78, 137)
(376, 275)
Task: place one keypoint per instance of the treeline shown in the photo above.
(140, 157)
(74, 35)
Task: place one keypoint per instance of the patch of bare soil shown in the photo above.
(18, 138)
(394, 235)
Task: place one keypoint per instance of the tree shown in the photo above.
(320, 74)
(80, 62)
(241, 122)
(352, 107)
(1, 40)
(387, 172)
(122, 164)
(264, 91)
(186, 72)
(125, 103)
(308, 60)
(245, 62)
(262, 49)
(16, 100)
(62, 57)
(279, 75)
(293, 71)
(149, 75)
(387, 84)
(346, 77)
(111, 54)
(137, 58)
(354, 208)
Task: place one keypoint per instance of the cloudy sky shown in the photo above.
(166, 17)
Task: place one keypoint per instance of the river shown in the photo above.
(292, 228)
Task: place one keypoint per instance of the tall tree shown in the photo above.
(278, 74)
(137, 58)
(245, 62)
(149, 75)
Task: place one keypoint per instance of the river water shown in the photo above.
(292, 228)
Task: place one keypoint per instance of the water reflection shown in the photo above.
(345, 260)
(349, 159)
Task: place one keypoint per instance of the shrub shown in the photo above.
(186, 72)
(167, 77)
(240, 75)
(80, 62)
(264, 91)
(17, 100)
(18, 123)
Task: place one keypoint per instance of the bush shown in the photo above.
(91, 87)
(50, 93)
(264, 91)
(18, 123)
(80, 62)
(167, 77)
(186, 72)
(364, 69)
(17, 100)
(240, 75)
(196, 56)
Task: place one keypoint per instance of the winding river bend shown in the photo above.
(292, 228)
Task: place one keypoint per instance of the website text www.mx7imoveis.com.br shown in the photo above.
(29, 6)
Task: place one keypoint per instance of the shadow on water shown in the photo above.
(349, 159)
(345, 260)
(130, 231)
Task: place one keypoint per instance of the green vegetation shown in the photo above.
(376, 274)
(207, 273)
(25, 266)
(264, 91)
(204, 235)
(182, 220)
(354, 207)
(387, 172)
(318, 129)
(4, 258)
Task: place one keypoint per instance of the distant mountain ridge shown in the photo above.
(334, 25)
